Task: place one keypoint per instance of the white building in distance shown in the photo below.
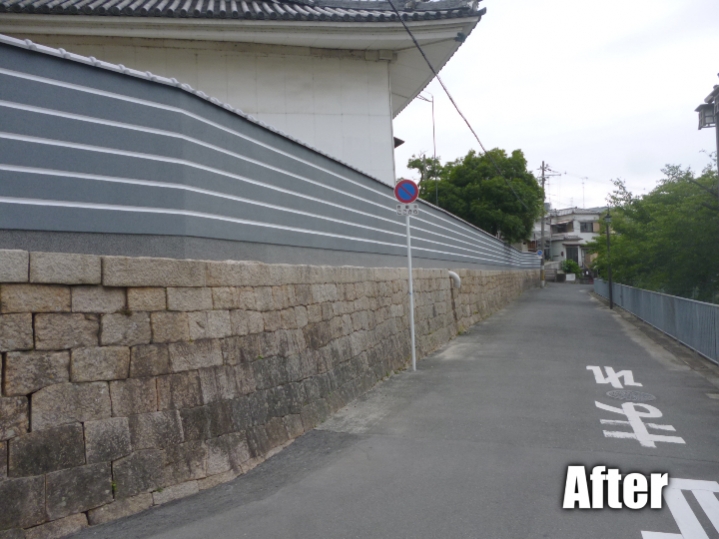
(566, 233)
(331, 73)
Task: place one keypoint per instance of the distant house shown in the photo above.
(566, 234)
(331, 73)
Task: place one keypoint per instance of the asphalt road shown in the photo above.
(476, 444)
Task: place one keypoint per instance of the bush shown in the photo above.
(570, 266)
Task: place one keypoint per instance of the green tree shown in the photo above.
(667, 239)
(494, 191)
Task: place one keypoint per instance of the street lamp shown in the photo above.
(608, 220)
(708, 115)
(434, 146)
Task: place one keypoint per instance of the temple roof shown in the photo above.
(300, 10)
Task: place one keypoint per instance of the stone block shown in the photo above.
(217, 383)
(156, 429)
(141, 471)
(293, 425)
(245, 379)
(14, 266)
(301, 316)
(61, 331)
(16, 332)
(133, 396)
(186, 356)
(258, 407)
(146, 299)
(22, 502)
(14, 416)
(58, 528)
(170, 327)
(277, 402)
(185, 462)
(3, 461)
(124, 329)
(119, 509)
(46, 451)
(209, 325)
(149, 360)
(296, 398)
(264, 300)
(175, 492)
(26, 372)
(255, 322)
(78, 489)
(233, 349)
(33, 298)
(221, 420)
(272, 320)
(100, 363)
(96, 299)
(178, 391)
(310, 416)
(257, 442)
(226, 453)
(15, 533)
(189, 299)
(231, 273)
(239, 322)
(65, 268)
(227, 298)
(66, 403)
(276, 432)
(196, 423)
(149, 272)
(107, 440)
(240, 413)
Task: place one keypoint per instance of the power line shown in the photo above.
(454, 103)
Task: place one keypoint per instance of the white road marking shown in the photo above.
(633, 412)
(613, 377)
(687, 522)
(709, 504)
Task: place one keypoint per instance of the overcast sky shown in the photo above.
(596, 89)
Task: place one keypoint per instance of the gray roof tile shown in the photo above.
(321, 10)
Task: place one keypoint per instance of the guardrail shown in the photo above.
(693, 323)
(92, 147)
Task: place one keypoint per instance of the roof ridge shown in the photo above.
(323, 10)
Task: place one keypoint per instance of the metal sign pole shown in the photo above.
(406, 193)
(411, 296)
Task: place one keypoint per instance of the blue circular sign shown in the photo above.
(406, 191)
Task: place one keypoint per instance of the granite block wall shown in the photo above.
(131, 382)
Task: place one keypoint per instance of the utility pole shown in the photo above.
(544, 202)
(545, 169)
(434, 147)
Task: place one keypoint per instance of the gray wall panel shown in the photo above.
(88, 151)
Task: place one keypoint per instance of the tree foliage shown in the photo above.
(668, 239)
(495, 192)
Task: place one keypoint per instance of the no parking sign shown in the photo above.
(406, 192)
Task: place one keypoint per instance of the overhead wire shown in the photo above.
(454, 103)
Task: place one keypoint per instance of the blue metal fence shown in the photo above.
(693, 323)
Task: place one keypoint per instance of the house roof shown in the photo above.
(297, 10)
